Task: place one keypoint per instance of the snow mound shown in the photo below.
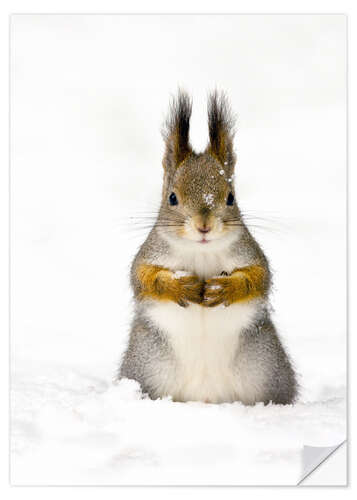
(69, 427)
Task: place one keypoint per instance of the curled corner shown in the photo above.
(313, 457)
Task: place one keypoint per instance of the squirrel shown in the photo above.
(202, 329)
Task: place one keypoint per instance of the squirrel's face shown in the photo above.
(198, 196)
(199, 203)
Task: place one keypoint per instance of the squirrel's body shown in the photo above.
(202, 330)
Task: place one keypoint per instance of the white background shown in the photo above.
(240, 113)
(88, 95)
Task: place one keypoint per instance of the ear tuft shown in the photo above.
(176, 130)
(221, 122)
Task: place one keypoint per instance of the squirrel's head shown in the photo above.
(199, 202)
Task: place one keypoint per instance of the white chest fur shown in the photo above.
(204, 340)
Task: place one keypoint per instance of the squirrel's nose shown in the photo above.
(204, 229)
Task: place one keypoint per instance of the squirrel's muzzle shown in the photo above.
(204, 221)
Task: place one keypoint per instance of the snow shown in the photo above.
(86, 158)
(73, 428)
(209, 199)
(181, 274)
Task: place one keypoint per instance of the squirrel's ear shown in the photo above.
(176, 131)
(221, 128)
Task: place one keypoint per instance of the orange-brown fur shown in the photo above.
(159, 283)
(243, 284)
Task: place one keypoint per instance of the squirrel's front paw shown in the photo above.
(191, 290)
(216, 292)
(224, 291)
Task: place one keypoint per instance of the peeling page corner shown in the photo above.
(313, 456)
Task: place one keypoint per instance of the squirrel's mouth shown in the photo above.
(203, 240)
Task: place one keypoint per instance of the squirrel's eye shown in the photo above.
(230, 199)
(173, 199)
